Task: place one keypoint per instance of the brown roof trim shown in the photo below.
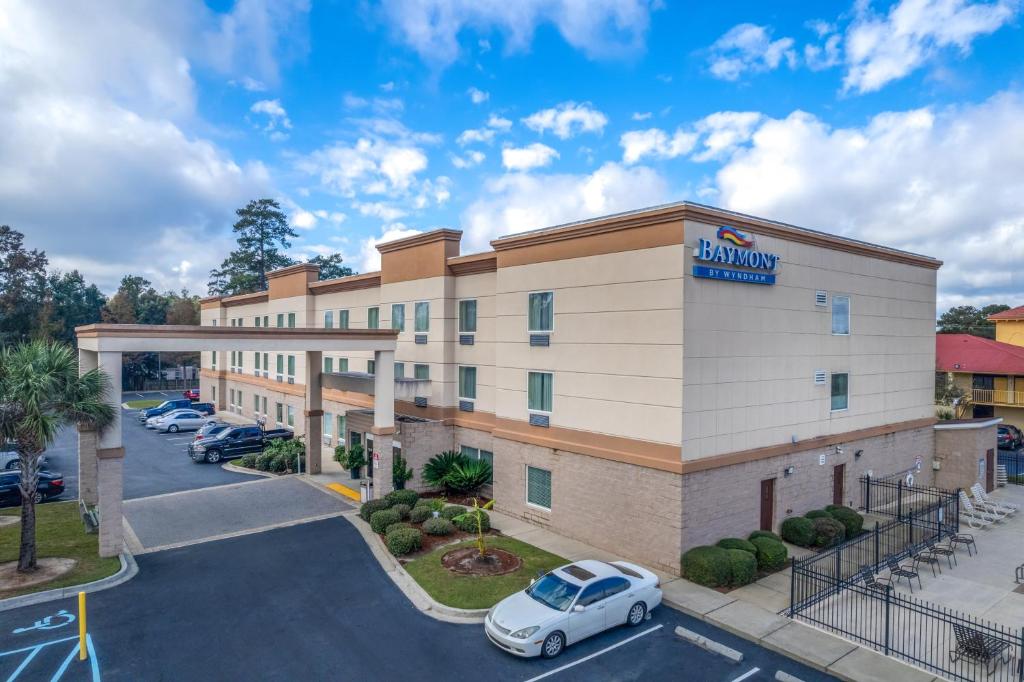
(367, 280)
(209, 303)
(204, 332)
(443, 234)
(744, 456)
(292, 269)
(473, 264)
(245, 299)
(590, 228)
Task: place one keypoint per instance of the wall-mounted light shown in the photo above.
(839, 449)
(857, 454)
(788, 471)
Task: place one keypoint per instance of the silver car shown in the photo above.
(181, 420)
(9, 458)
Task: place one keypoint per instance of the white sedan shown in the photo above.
(179, 420)
(570, 604)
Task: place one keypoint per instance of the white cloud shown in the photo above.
(484, 45)
(470, 159)
(748, 48)
(387, 87)
(379, 209)
(478, 96)
(945, 183)
(517, 201)
(303, 219)
(368, 253)
(256, 35)
(498, 123)
(277, 118)
(718, 135)
(567, 119)
(495, 125)
(598, 28)
(249, 83)
(723, 131)
(335, 217)
(536, 155)
(373, 166)
(437, 190)
(824, 56)
(641, 116)
(881, 49)
(637, 144)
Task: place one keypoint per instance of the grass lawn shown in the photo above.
(59, 533)
(477, 592)
(142, 404)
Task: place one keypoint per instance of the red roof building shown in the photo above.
(1011, 314)
(973, 354)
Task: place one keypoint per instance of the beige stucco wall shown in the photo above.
(751, 351)
(483, 351)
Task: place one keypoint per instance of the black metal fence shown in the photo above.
(895, 498)
(1014, 464)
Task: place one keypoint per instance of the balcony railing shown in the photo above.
(995, 396)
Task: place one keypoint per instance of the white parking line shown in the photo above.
(595, 654)
(752, 671)
(163, 394)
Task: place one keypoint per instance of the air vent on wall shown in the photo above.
(421, 339)
(819, 377)
(540, 340)
(820, 298)
(466, 405)
(466, 339)
(419, 401)
(539, 420)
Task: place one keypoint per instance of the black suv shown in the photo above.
(234, 442)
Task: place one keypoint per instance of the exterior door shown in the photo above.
(369, 456)
(768, 504)
(990, 470)
(838, 482)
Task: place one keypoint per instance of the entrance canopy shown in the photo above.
(101, 455)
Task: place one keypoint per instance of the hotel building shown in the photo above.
(644, 382)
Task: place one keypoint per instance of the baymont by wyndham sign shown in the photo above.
(738, 252)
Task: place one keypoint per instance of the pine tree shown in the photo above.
(262, 228)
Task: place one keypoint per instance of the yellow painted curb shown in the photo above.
(347, 492)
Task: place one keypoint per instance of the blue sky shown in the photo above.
(134, 132)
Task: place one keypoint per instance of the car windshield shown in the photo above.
(554, 592)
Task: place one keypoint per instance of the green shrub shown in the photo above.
(262, 461)
(404, 541)
(407, 497)
(798, 530)
(437, 468)
(396, 526)
(817, 514)
(380, 520)
(467, 477)
(402, 509)
(423, 502)
(771, 554)
(452, 510)
(737, 543)
(708, 566)
(467, 522)
(420, 514)
(764, 534)
(828, 532)
(285, 454)
(743, 566)
(438, 526)
(371, 506)
(851, 520)
(248, 461)
(278, 463)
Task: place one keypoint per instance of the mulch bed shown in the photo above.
(467, 561)
(465, 501)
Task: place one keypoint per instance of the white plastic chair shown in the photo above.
(981, 496)
(993, 509)
(975, 519)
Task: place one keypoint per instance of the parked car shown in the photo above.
(181, 420)
(570, 604)
(153, 422)
(9, 459)
(1006, 439)
(234, 442)
(1017, 434)
(205, 408)
(211, 428)
(191, 394)
(51, 484)
(163, 408)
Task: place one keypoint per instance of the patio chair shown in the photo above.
(945, 550)
(925, 555)
(990, 507)
(874, 582)
(981, 495)
(903, 571)
(1020, 575)
(977, 646)
(965, 539)
(976, 518)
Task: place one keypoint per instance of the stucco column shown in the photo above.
(87, 440)
(110, 463)
(383, 422)
(314, 412)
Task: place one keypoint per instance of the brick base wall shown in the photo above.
(958, 452)
(726, 502)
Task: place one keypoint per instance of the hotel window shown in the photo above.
(421, 371)
(467, 317)
(232, 322)
(840, 315)
(266, 320)
(341, 429)
(342, 319)
(342, 364)
(238, 403)
(541, 313)
(371, 366)
(840, 391)
(214, 322)
(213, 364)
(255, 404)
(373, 318)
(291, 417)
(485, 455)
(291, 369)
(328, 425)
(329, 319)
(539, 391)
(257, 362)
(257, 320)
(467, 383)
(398, 316)
(263, 402)
(280, 367)
(266, 363)
(538, 487)
(291, 320)
(279, 409)
(423, 316)
(231, 398)
(399, 370)
(280, 319)
(213, 393)
(329, 365)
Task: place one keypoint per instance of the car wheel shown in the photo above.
(637, 612)
(173, 428)
(13, 464)
(553, 645)
(213, 456)
(38, 497)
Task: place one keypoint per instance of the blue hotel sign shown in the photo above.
(760, 263)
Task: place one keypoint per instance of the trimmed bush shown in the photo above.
(771, 554)
(404, 541)
(852, 521)
(828, 532)
(263, 461)
(380, 520)
(406, 497)
(248, 461)
(743, 565)
(798, 530)
(396, 526)
(402, 509)
(371, 506)
(452, 510)
(817, 514)
(737, 543)
(438, 526)
(764, 534)
(467, 522)
(423, 502)
(708, 566)
(279, 463)
(420, 514)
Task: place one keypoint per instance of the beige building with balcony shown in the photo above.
(645, 382)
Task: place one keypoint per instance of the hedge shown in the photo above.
(409, 497)
(380, 520)
(420, 514)
(452, 510)
(817, 514)
(764, 534)
(396, 526)
(402, 509)
(798, 530)
(771, 554)
(708, 566)
(438, 526)
(743, 565)
(737, 543)
(403, 540)
(467, 522)
(851, 520)
(371, 506)
(828, 532)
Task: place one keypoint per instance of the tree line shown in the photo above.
(967, 319)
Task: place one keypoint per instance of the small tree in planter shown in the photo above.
(400, 472)
(477, 515)
(353, 459)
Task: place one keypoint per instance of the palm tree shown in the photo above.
(40, 392)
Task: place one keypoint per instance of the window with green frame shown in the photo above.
(541, 312)
(840, 391)
(280, 365)
(398, 316)
(291, 416)
(280, 319)
(279, 412)
(371, 366)
(291, 366)
(328, 319)
(538, 487)
(423, 316)
(467, 317)
(476, 453)
(399, 370)
(421, 371)
(342, 319)
(341, 429)
(373, 318)
(467, 383)
(213, 360)
(328, 424)
(342, 364)
(539, 391)
(328, 365)
(291, 320)
(257, 360)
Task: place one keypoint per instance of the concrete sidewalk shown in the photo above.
(810, 646)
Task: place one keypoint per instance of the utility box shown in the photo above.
(364, 491)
